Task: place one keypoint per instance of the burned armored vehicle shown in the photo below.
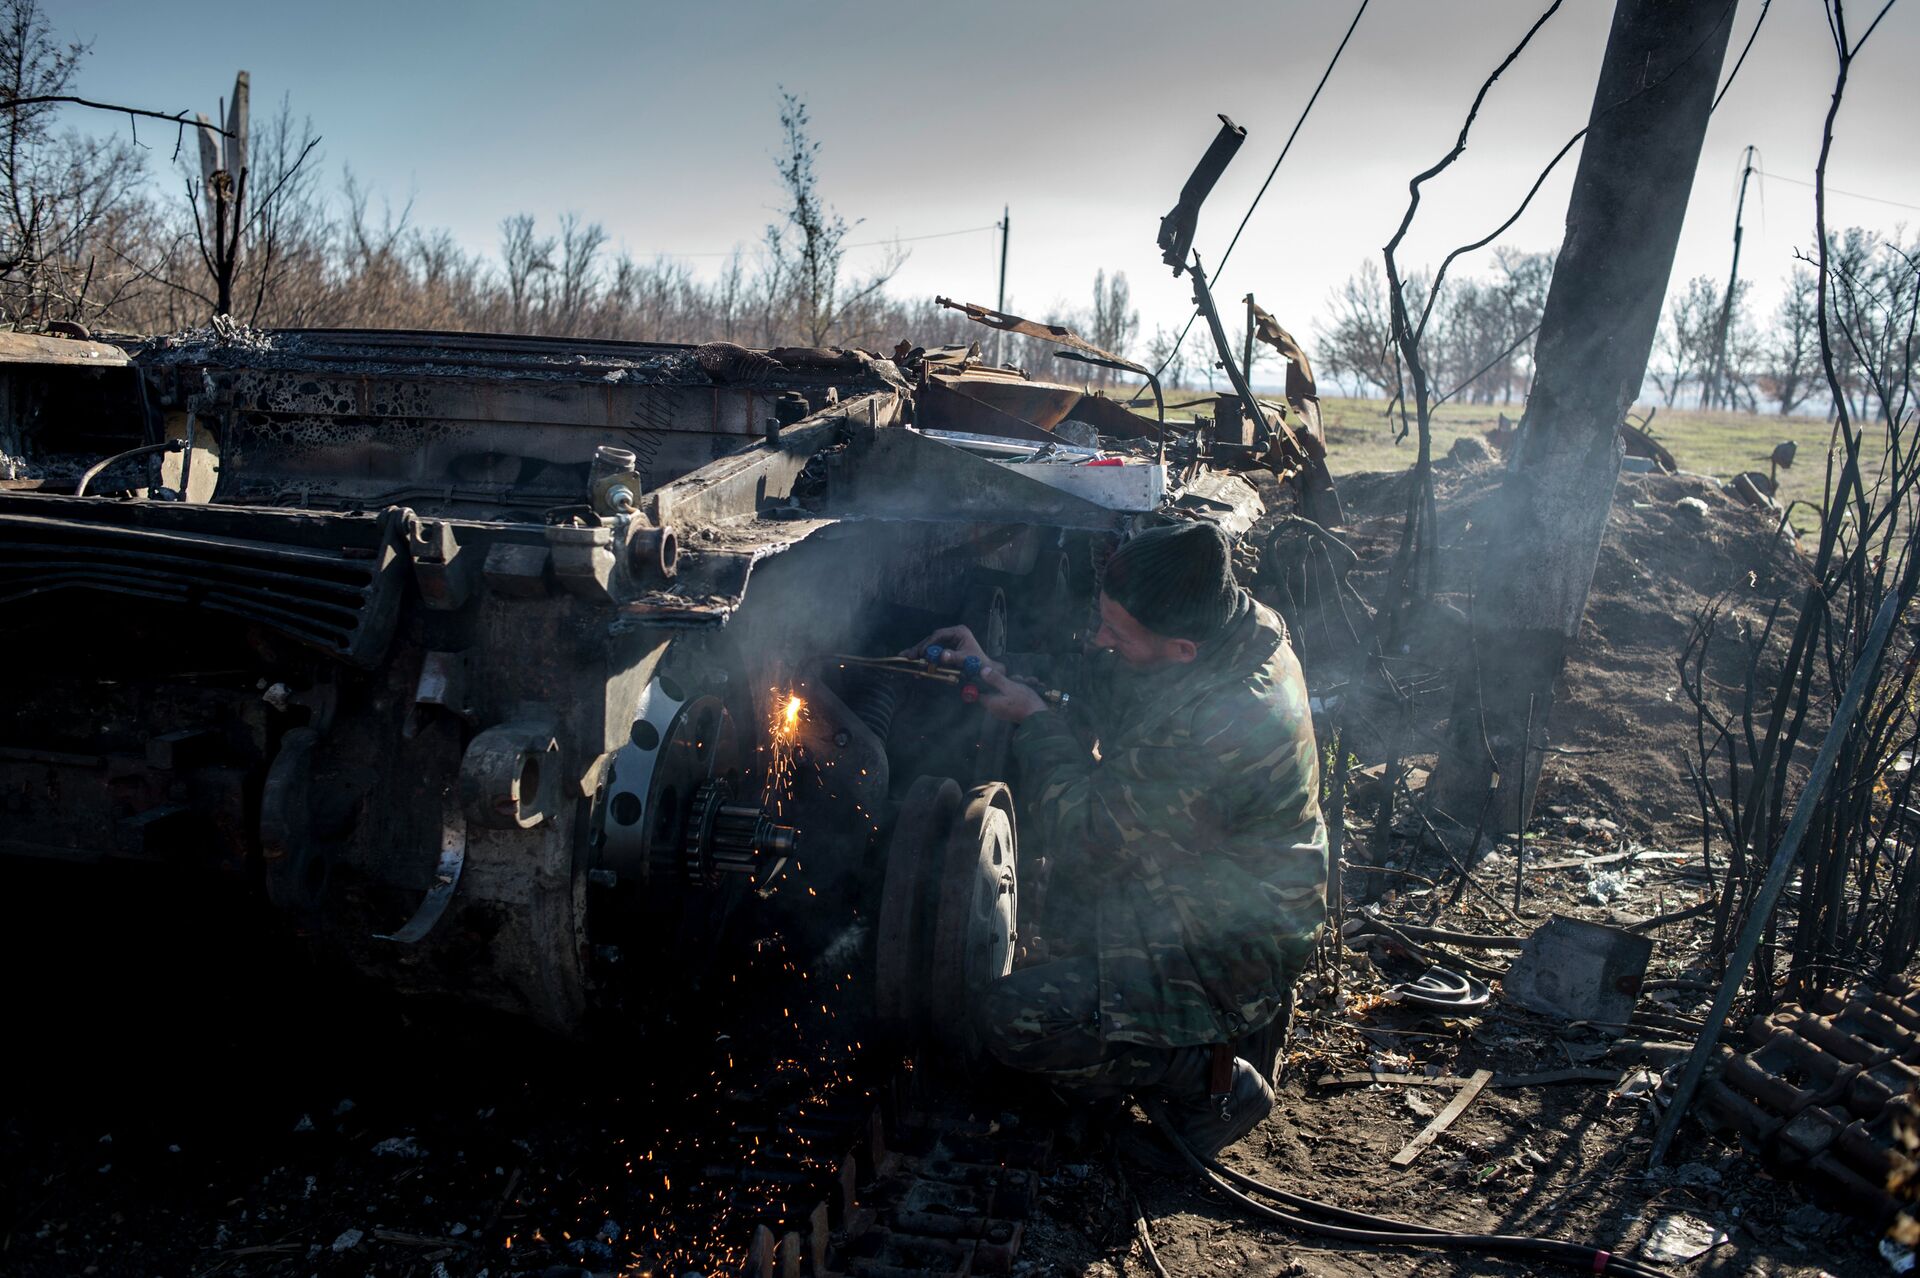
(505, 666)
(535, 672)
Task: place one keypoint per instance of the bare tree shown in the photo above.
(1113, 324)
(576, 277)
(522, 257)
(291, 215)
(1793, 346)
(1685, 346)
(65, 197)
(1357, 345)
(1166, 352)
(1869, 298)
(807, 247)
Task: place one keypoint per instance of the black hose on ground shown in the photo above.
(1384, 1230)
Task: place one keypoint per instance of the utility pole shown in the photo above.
(1716, 395)
(1000, 338)
(1541, 532)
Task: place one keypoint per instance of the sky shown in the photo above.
(660, 121)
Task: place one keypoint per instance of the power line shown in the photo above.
(898, 239)
(1742, 59)
(1221, 265)
(1304, 112)
(1834, 190)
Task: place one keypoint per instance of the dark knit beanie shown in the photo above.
(1176, 581)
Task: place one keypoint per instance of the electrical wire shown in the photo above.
(1362, 1227)
(1304, 112)
(898, 239)
(1742, 59)
(1834, 190)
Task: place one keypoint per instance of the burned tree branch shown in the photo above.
(47, 99)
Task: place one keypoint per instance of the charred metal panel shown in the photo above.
(484, 425)
(334, 584)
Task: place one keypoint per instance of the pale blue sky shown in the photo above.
(659, 120)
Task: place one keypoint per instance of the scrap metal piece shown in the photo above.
(1059, 334)
(1177, 227)
(510, 775)
(1581, 971)
(446, 881)
(331, 582)
(1444, 991)
(294, 871)
(1303, 393)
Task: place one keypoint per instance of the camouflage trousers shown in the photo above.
(1045, 1020)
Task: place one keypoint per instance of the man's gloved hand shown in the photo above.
(1000, 696)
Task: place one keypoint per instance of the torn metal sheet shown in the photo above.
(1580, 971)
(1059, 334)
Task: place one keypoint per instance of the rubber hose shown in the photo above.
(93, 472)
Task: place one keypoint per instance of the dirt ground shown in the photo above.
(185, 1104)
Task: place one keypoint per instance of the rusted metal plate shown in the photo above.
(950, 404)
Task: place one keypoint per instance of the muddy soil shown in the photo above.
(190, 1099)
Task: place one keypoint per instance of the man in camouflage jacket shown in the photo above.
(1187, 848)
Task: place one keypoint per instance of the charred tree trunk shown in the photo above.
(1543, 538)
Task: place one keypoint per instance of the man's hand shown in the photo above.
(957, 642)
(1001, 697)
(1008, 699)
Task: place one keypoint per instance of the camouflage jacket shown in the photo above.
(1191, 857)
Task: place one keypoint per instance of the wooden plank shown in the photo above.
(1455, 1108)
(1547, 1079)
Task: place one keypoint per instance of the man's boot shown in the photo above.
(1261, 1048)
(1213, 1098)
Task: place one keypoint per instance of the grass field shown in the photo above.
(1359, 438)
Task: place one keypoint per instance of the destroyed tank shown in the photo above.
(515, 671)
